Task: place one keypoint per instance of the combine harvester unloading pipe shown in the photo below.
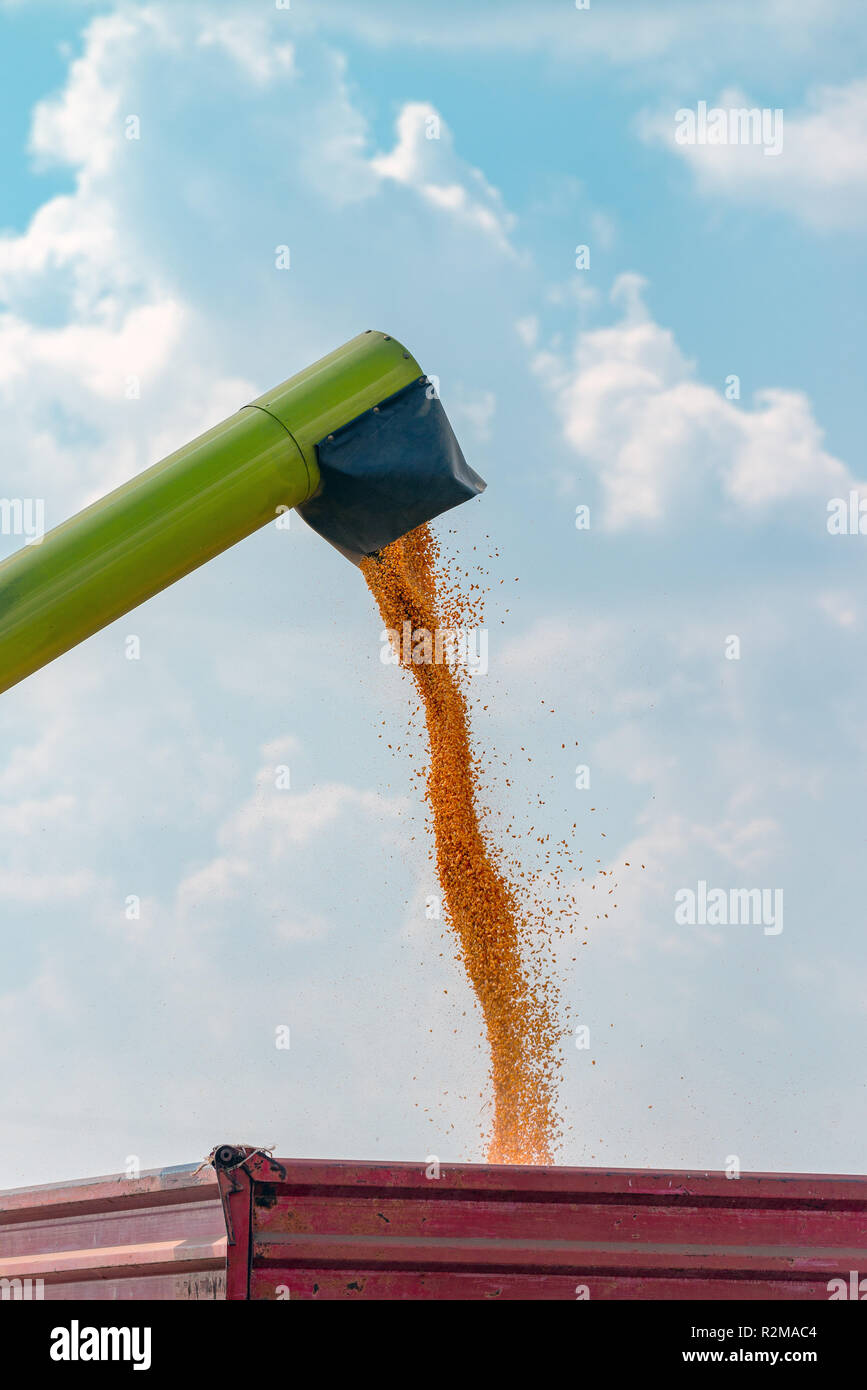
(359, 443)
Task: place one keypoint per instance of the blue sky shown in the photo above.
(261, 908)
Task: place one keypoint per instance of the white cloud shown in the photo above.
(477, 411)
(94, 356)
(83, 125)
(274, 819)
(33, 814)
(820, 174)
(41, 888)
(63, 232)
(267, 843)
(92, 294)
(424, 159)
(528, 330)
(248, 40)
(657, 439)
(839, 607)
(627, 33)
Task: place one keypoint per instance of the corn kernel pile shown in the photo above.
(497, 927)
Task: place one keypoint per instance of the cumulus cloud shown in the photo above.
(82, 125)
(270, 847)
(107, 353)
(424, 159)
(632, 410)
(819, 173)
(249, 41)
(682, 35)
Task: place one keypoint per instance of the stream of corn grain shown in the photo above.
(493, 921)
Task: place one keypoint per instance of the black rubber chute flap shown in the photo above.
(388, 471)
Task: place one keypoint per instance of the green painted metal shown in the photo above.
(340, 387)
(194, 504)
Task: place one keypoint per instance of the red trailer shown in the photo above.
(158, 1235)
(310, 1229)
(268, 1228)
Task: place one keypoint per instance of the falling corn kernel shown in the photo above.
(489, 917)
